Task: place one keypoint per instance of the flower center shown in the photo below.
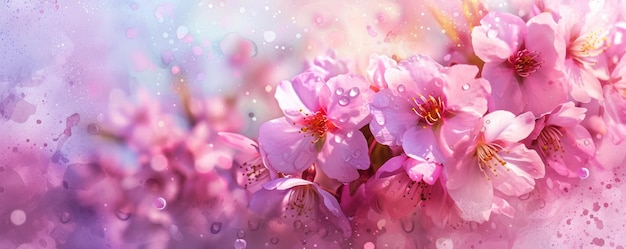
(429, 109)
(301, 201)
(489, 159)
(550, 141)
(525, 62)
(316, 125)
(586, 46)
(253, 171)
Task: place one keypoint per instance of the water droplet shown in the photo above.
(237, 48)
(274, 240)
(241, 233)
(269, 36)
(18, 217)
(583, 173)
(344, 118)
(297, 225)
(173, 229)
(339, 91)
(408, 226)
(466, 86)
(354, 92)
(343, 101)
(447, 57)
(240, 244)
(492, 33)
(401, 88)
(65, 217)
(487, 121)
(587, 142)
(356, 153)
(338, 139)
(254, 224)
(160, 203)
(482, 129)
(93, 129)
(216, 227)
(122, 215)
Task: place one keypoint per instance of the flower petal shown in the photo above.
(506, 92)
(239, 142)
(473, 193)
(291, 103)
(348, 100)
(522, 167)
(390, 118)
(499, 35)
(286, 149)
(504, 126)
(421, 144)
(342, 154)
(331, 206)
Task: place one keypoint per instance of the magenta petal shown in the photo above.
(506, 92)
(421, 144)
(333, 208)
(291, 103)
(391, 165)
(285, 183)
(348, 101)
(267, 202)
(342, 154)
(474, 196)
(499, 35)
(286, 149)
(239, 142)
(503, 125)
(524, 165)
(390, 118)
(422, 170)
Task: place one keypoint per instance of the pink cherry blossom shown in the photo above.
(376, 69)
(320, 125)
(522, 62)
(563, 144)
(614, 114)
(494, 159)
(299, 201)
(251, 172)
(428, 108)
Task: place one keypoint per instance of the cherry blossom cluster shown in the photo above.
(448, 142)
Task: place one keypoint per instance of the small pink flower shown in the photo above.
(493, 159)
(321, 125)
(561, 141)
(251, 172)
(303, 202)
(376, 69)
(404, 184)
(522, 62)
(614, 114)
(428, 108)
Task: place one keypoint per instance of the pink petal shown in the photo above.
(504, 126)
(285, 183)
(567, 115)
(425, 77)
(506, 92)
(342, 154)
(291, 103)
(470, 190)
(391, 116)
(268, 203)
(523, 166)
(454, 131)
(420, 143)
(542, 38)
(348, 100)
(501, 206)
(285, 148)
(464, 93)
(378, 64)
(541, 94)
(422, 170)
(331, 206)
(239, 142)
(392, 165)
(583, 84)
(499, 35)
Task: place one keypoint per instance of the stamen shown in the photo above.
(301, 202)
(488, 157)
(413, 192)
(587, 46)
(430, 109)
(253, 172)
(315, 124)
(525, 62)
(550, 141)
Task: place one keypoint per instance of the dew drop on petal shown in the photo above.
(466, 86)
(401, 88)
(65, 217)
(447, 57)
(354, 92)
(160, 203)
(369, 245)
(586, 142)
(254, 224)
(240, 244)
(241, 233)
(356, 153)
(339, 91)
(274, 240)
(18, 217)
(487, 121)
(93, 129)
(269, 36)
(122, 215)
(297, 225)
(216, 227)
(343, 101)
(583, 173)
